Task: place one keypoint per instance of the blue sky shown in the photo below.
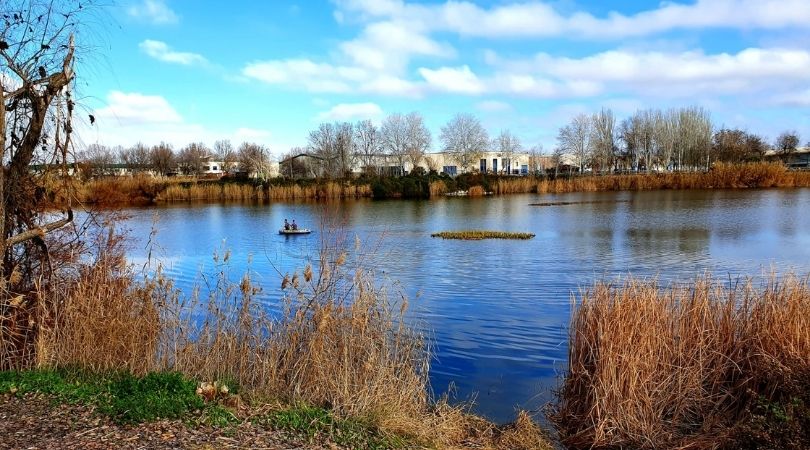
(270, 71)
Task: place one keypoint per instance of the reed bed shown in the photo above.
(685, 367)
(477, 235)
(515, 185)
(721, 176)
(340, 342)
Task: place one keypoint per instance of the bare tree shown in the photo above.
(296, 164)
(136, 158)
(575, 138)
(557, 159)
(367, 142)
(734, 145)
(694, 137)
(99, 160)
(223, 149)
(191, 158)
(327, 144)
(787, 142)
(507, 144)
(36, 116)
(344, 149)
(162, 158)
(253, 159)
(535, 160)
(417, 141)
(603, 140)
(394, 132)
(665, 133)
(465, 140)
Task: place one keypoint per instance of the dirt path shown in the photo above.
(35, 422)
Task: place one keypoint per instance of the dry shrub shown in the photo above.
(476, 191)
(437, 188)
(680, 368)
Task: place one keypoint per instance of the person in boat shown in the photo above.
(287, 224)
(294, 225)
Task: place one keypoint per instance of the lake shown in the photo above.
(498, 309)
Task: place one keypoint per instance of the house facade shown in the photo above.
(799, 158)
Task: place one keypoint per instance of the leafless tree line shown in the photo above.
(650, 139)
(163, 159)
(400, 141)
(654, 139)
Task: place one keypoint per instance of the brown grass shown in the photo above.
(143, 190)
(722, 176)
(341, 342)
(680, 368)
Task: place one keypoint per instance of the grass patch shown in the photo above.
(317, 424)
(122, 396)
(477, 235)
(155, 396)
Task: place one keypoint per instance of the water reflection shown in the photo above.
(498, 310)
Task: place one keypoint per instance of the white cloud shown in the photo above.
(131, 117)
(154, 11)
(304, 73)
(388, 46)
(161, 51)
(542, 19)
(319, 77)
(493, 106)
(351, 111)
(459, 80)
(127, 109)
(654, 73)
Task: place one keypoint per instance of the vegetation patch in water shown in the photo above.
(477, 235)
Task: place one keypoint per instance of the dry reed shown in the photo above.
(340, 342)
(679, 368)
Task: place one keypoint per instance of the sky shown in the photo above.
(270, 71)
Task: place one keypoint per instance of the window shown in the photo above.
(495, 165)
(214, 168)
(450, 170)
(483, 167)
(524, 169)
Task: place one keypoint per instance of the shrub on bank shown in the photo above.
(702, 366)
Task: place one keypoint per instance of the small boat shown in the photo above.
(298, 231)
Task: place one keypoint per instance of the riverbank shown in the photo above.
(142, 190)
(136, 349)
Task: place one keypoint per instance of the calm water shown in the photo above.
(498, 310)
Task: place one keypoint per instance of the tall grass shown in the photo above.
(340, 341)
(681, 367)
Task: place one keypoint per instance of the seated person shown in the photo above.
(286, 224)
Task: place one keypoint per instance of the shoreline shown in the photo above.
(146, 191)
